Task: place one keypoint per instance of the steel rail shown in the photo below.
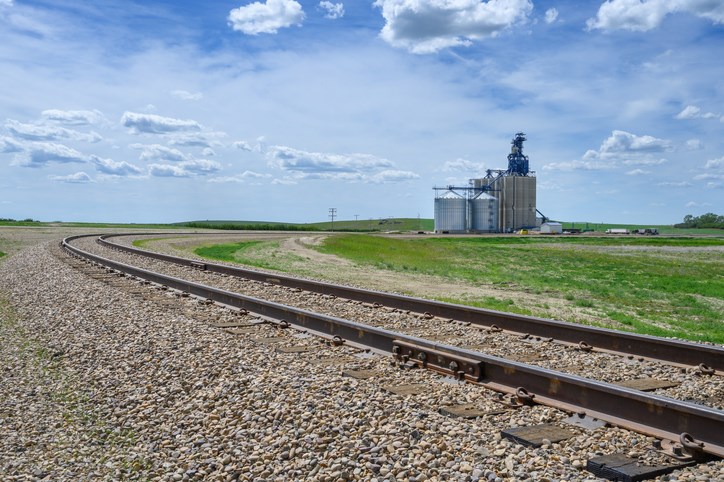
(662, 417)
(671, 351)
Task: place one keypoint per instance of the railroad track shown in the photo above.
(706, 358)
(696, 430)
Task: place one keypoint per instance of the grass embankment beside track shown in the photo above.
(650, 285)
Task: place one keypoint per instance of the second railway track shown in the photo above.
(635, 409)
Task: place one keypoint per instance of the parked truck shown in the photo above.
(617, 231)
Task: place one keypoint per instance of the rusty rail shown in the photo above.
(667, 350)
(650, 414)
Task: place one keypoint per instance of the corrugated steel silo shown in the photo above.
(483, 213)
(450, 213)
(517, 202)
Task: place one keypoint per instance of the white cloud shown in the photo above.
(294, 160)
(694, 112)
(674, 184)
(463, 165)
(637, 172)
(157, 152)
(267, 17)
(41, 153)
(714, 185)
(200, 139)
(694, 144)
(708, 177)
(715, 163)
(643, 15)
(393, 175)
(551, 15)
(115, 168)
(36, 132)
(77, 178)
(208, 152)
(625, 142)
(243, 177)
(694, 204)
(426, 26)
(6, 3)
(339, 167)
(156, 124)
(74, 117)
(8, 144)
(333, 10)
(186, 95)
(243, 145)
(577, 166)
(193, 168)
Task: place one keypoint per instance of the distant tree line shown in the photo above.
(708, 220)
(10, 220)
(250, 227)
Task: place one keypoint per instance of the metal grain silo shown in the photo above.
(483, 210)
(517, 202)
(450, 213)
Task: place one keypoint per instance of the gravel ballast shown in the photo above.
(108, 382)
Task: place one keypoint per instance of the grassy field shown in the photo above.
(660, 286)
(665, 286)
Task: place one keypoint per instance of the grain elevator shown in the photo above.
(503, 201)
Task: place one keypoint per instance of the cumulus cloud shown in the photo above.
(36, 132)
(622, 141)
(290, 159)
(243, 145)
(192, 168)
(200, 139)
(157, 152)
(40, 154)
(694, 204)
(74, 117)
(620, 148)
(8, 144)
(266, 17)
(330, 166)
(551, 15)
(694, 112)
(332, 10)
(393, 175)
(115, 168)
(637, 172)
(186, 95)
(643, 15)
(715, 163)
(577, 165)
(77, 178)
(463, 165)
(156, 124)
(426, 26)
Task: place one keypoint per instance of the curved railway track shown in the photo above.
(680, 353)
(697, 429)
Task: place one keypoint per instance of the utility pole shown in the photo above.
(356, 216)
(332, 214)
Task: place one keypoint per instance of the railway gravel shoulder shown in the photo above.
(182, 400)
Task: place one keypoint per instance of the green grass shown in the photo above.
(2, 254)
(654, 291)
(242, 252)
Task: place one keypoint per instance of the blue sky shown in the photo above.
(165, 111)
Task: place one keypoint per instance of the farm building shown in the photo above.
(551, 228)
